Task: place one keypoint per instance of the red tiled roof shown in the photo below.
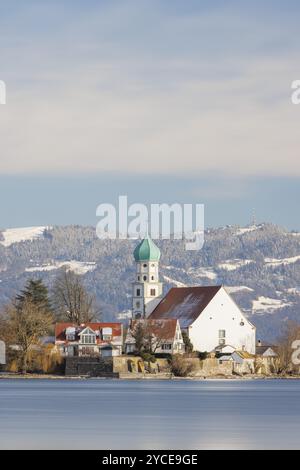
(60, 329)
(185, 303)
(161, 328)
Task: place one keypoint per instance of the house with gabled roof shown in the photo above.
(159, 336)
(210, 317)
(89, 339)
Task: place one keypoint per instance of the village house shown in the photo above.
(160, 336)
(243, 362)
(267, 358)
(89, 339)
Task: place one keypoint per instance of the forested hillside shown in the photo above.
(260, 265)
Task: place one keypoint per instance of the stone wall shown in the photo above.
(135, 365)
(209, 367)
(90, 366)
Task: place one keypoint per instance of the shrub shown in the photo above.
(147, 357)
(180, 366)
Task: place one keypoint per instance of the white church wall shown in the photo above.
(222, 313)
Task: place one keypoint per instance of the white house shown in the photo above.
(89, 339)
(210, 317)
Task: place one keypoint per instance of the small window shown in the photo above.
(70, 337)
(152, 278)
(107, 337)
(138, 278)
(138, 292)
(88, 339)
(138, 305)
(145, 265)
(222, 336)
(166, 346)
(152, 292)
(145, 278)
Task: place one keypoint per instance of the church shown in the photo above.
(208, 314)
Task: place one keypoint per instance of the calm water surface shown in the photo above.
(103, 414)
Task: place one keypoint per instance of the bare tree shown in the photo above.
(70, 299)
(149, 335)
(24, 325)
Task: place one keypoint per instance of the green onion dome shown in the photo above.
(146, 251)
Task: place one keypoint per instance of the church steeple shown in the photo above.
(147, 290)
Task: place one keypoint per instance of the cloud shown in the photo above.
(140, 90)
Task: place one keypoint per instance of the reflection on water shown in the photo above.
(112, 414)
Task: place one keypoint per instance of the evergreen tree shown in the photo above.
(187, 342)
(35, 292)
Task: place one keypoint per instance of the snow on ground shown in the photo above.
(202, 272)
(279, 262)
(17, 235)
(251, 228)
(234, 289)
(172, 281)
(78, 267)
(124, 315)
(294, 290)
(232, 265)
(195, 272)
(267, 305)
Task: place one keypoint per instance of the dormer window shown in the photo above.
(70, 333)
(88, 336)
(107, 334)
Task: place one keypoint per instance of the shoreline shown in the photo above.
(5, 376)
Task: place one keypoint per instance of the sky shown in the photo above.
(162, 101)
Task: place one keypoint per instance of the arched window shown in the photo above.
(145, 278)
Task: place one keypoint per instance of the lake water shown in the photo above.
(112, 414)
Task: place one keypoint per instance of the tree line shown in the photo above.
(32, 314)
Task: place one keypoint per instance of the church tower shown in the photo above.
(147, 290)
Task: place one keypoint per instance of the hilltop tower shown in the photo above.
(147, 290)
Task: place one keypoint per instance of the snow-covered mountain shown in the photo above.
(259, 265)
